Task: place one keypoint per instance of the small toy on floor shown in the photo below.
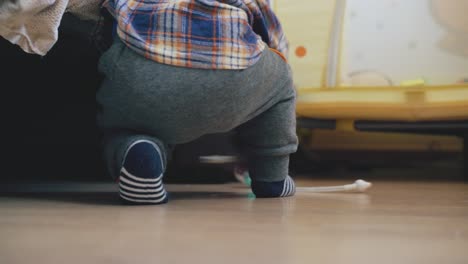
(357, 186)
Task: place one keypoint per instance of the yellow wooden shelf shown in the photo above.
(424, 103)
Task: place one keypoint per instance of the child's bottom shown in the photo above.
(167, 105)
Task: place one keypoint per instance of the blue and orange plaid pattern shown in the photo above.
(207, 34)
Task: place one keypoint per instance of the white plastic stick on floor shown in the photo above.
(357, 186)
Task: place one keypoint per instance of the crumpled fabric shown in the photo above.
(33, 24)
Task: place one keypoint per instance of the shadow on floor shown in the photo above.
(99, 197)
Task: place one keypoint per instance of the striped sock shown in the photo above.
(140, 180)
(274, 189)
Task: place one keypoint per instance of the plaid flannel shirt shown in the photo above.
(207, 34)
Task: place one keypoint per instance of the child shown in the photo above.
(180, 69)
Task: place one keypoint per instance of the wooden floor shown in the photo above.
(396, 222)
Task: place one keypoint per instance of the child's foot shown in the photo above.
(140, 180)
(274, 189)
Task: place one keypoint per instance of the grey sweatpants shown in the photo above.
(142, 99)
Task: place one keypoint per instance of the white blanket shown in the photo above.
(33, 24)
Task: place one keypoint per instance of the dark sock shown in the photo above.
(282, 188)
(140, 180)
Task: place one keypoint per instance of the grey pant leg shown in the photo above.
(269, 139)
